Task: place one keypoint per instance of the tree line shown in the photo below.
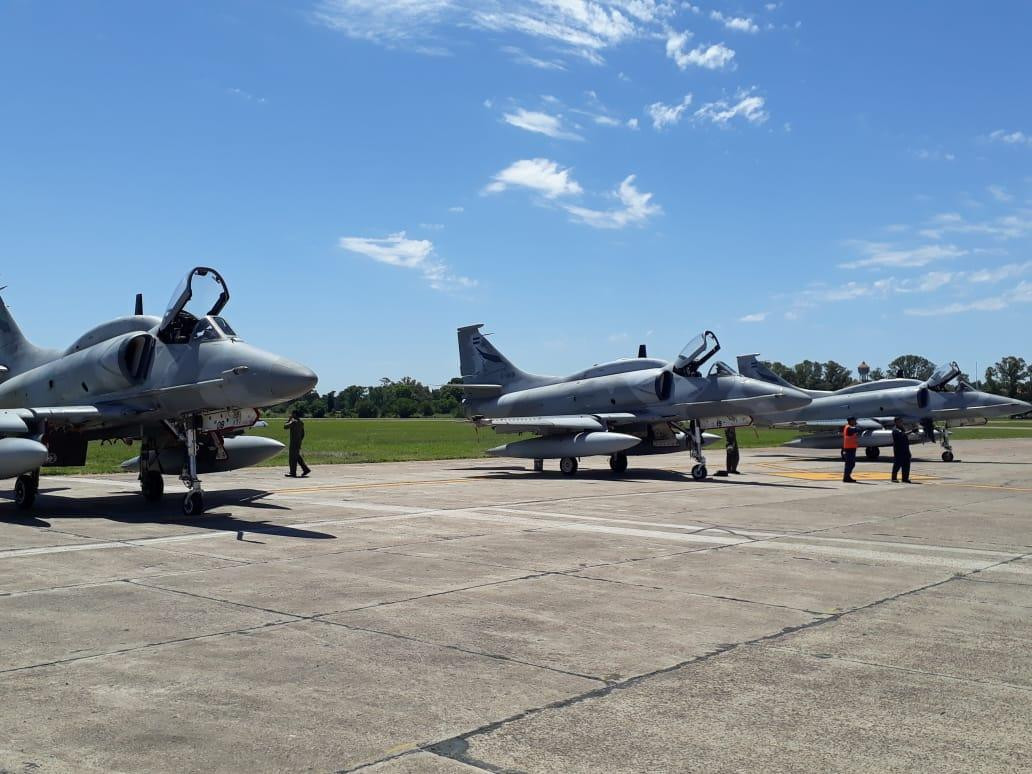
(407, 397)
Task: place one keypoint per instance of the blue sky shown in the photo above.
(822, 180)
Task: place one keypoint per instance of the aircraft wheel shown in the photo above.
(568, 465)
(872, 452)
(193, 504)
(699, 472)
(152, 485)
(618, 462)
(25, 489)
(947, 456)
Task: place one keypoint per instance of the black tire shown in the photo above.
(699, 472)
(568, 466)
(539, 466)
(618, 462)
(947, 456)
(193, 504)
(152, 485)
(25, 489)
(872, 452)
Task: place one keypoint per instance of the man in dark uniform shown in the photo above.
(850, 441)
(731, 442)
(900, 451)
(297, 435)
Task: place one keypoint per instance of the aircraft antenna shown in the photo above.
(139, 304)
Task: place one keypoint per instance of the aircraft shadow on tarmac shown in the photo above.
(638, 476)
(122, 507)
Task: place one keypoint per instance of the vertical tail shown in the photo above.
(481, 363)
(750, 366)
(17, 353)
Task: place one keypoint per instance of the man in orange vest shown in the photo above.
(850, 440)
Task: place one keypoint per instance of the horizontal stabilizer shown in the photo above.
(482, 390)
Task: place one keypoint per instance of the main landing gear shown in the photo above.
(872, 452)
(618, 462)
(568, 466)
(25, 489)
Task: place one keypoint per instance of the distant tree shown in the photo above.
(911, 367)
(780, 369)
(1009, 374)
(809, 375)
(836, 376)
(426, 408)
(990, 384)
(876, 374)
(404, 407)
(366, 409)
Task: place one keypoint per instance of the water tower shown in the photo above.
(864, 370)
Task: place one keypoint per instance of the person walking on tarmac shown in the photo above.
(900, 451)
(297, 435)
(731, 442)
(850, 441)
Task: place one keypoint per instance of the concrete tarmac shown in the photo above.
(474, 615)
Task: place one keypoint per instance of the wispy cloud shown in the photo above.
(543, 176)
(747, 106)
(541, 123)
(520, 56)
(933, 154)
(999, 193)
(753, 318)
(881, 254)
(713, 57)
(415, 254)
(635, 208)
(1020, 294)
(1015, 224)
(736, 23)
(245, 95)
(667, 115)
(1011, 138)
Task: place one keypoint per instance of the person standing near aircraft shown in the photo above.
(850, 442)
(731, 443)
(900, 451)
(297, 435)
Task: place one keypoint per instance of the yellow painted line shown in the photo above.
(822, 475)
(368, 485)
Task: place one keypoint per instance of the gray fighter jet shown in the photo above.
(185, 385)
(632, 406)
(922, 404)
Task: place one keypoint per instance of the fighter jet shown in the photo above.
(185, 385)
(624, 407)
(922, 404)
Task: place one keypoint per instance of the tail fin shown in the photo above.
(481, 363)
(17, 353)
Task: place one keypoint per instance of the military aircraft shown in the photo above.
(922, 404)
(185, 385)
(630, 406)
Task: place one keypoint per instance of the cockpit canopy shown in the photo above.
(942, 376)
(181, 324)
(698, 351)
(720, 368)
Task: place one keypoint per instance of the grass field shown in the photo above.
(329, 441)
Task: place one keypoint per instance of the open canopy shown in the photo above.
(211, 285)
(943, 375)
(696, 352)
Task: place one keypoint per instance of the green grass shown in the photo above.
(329, 441)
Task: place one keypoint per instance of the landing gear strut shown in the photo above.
(872, 452)
(944, 438)
(699, 471)
(25, 489)
(568, 466)
(193, 503)
(539, 466)
(152, 483)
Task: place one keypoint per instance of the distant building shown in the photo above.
(864, 370)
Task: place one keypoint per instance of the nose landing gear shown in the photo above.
(699, 472)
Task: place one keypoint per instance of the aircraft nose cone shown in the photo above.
(285, 380)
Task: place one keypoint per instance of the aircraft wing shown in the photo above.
(22, 420)
(549, 425)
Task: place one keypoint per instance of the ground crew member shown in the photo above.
(731, 442)
(850, 441)
(900, 451)
(297, 435)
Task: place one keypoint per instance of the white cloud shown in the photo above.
(632, 123)
(635, 208)
(881, 254)
(714, 57)
(541, 123)
(457, 209)
(1011, 138)
(667, 115)
(246, 96)
(933, 154)
(1020, 294)
(748, 107)
(1013, 225)
(736, 23)
(751, 318)
(999, 193)
(417, 254)
(520, 56)
(541, 175)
